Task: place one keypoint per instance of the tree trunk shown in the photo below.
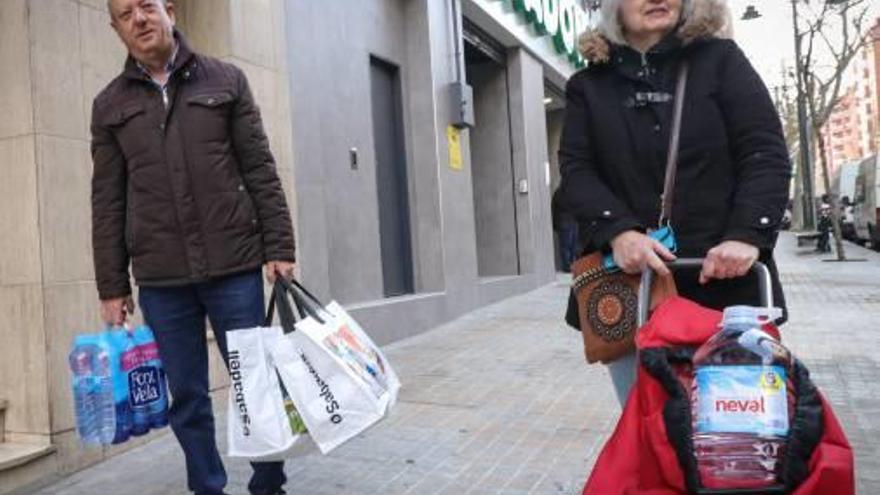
(832, 196)
(797, 205)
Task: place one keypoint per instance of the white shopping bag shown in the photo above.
(257, 424)
(344, 338)
(341, 384)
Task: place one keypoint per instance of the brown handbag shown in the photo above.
(607, 300)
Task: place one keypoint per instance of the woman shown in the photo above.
(733, 168)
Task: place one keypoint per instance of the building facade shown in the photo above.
(853, 130)
(416, 142)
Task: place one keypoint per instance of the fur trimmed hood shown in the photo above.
(710, 19)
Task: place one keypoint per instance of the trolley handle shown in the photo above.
(764, 284)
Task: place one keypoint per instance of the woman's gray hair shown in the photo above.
(611, 27)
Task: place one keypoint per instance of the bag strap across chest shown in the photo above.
(672, 154)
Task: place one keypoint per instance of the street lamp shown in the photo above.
(803, 129)
(751, 13)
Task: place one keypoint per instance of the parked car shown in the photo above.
(866, 209)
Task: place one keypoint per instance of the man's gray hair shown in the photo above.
(611, 27)
(110, 5)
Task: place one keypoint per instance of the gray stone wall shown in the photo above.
(338, 224)
(57, 55)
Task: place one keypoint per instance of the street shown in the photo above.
(500, 401)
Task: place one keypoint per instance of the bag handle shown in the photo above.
(285, 312)
(307, 305)
(293, 286)
(765, 284)
(674, 139)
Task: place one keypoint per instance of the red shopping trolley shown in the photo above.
(650, 451)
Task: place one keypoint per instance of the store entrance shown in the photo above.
(492, 157)
(565, 237)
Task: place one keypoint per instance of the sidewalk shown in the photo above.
(501, 402)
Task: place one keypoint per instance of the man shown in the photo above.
(185, 188)
(565, 225)
(824, 226)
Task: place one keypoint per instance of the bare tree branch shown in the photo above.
(829, 45)
(842, 43)
(827, 90)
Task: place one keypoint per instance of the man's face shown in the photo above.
(145, 26)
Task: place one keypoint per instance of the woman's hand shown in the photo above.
(730, 259)
(634, 251)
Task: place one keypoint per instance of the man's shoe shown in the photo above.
(277, 491)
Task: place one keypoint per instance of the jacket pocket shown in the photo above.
(207, 115)
(210, 100)
(250, 209)
(119, 117)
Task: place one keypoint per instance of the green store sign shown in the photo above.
(562, 20)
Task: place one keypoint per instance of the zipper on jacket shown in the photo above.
(129, 222)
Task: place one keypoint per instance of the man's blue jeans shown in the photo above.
(177, 317)
(568, 237)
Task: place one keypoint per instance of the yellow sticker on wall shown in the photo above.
(453, 136)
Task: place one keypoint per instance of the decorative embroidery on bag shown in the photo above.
(611, 309)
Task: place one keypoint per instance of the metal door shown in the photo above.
(391, 179)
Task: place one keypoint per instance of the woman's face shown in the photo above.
(649, 17)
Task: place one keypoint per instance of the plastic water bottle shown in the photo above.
(84, 398)
(115, 340)
(157, 408)
(103, 393)
(136, 376)
(740, 402)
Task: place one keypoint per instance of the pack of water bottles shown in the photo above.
(118, 383)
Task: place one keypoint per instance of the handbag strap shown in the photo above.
(672, 156)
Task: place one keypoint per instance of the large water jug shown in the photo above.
(741, 402)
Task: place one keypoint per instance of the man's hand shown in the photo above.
(634, 251)
(275, 268)
(730, 259)
(114, 312)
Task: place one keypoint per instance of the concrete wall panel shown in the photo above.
(23, 378)
(65, 170)
(20, 242)
(492, 172)
(57, 71)
(530, 155)
(16, 105)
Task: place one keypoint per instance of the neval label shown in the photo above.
(742, 399)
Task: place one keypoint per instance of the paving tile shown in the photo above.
(501, 402)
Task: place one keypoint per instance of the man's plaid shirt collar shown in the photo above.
(168, 67)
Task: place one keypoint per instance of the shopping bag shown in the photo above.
(339, 380)
(258, 426)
